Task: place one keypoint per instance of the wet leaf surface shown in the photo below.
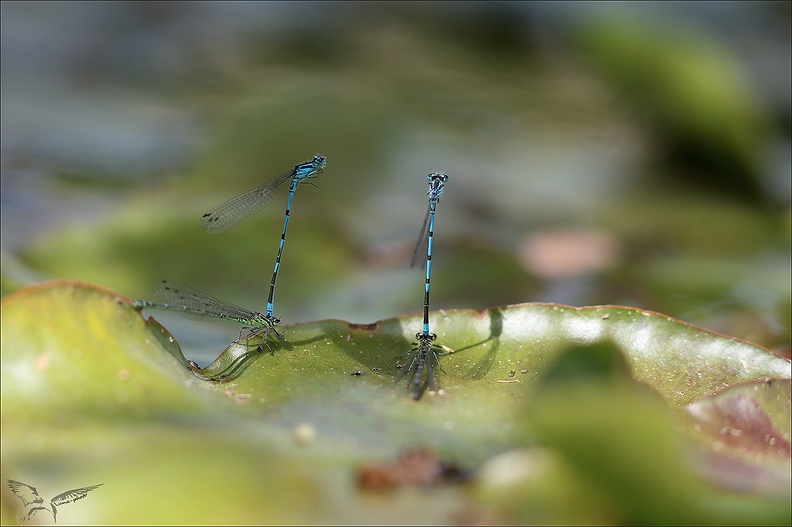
(594, 399)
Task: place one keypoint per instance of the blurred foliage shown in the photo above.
(693, 95)
(567, 127)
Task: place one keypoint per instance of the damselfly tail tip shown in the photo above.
(419, 368)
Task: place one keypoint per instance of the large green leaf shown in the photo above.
(312, 428)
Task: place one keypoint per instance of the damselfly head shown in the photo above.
(319, 162)
(437, 178)
(436, 181)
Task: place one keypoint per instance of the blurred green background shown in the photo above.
(598, 153)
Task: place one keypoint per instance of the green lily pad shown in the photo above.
(312, 428)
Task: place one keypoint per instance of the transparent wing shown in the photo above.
(422, 237)
(198, 303)
(238, 209)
